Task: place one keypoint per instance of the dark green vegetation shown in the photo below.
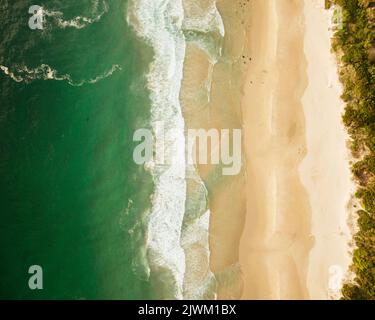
(355, 45)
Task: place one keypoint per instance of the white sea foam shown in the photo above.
(172, 240)
(159, 23)
(199, 281)
(22, 73)
(11, 74)
(203, 22)
(202, 17)
(204, 26)
(98, 9)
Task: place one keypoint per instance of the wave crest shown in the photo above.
(159, 23)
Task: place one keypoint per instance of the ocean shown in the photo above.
(73, 201)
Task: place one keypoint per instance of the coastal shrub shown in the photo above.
(354, 45)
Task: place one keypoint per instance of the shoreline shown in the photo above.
(218, 106)
(277, 231)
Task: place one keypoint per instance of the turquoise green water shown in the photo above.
(69, 189)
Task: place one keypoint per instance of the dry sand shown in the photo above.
(276, 240)
(298, 181)
(325, 171)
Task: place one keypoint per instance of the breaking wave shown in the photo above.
(179, 218)
(159, 24)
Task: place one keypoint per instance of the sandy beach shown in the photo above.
(325, 171)
(211, 97)
(277, 239)
(278, 230)
(294, 244)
